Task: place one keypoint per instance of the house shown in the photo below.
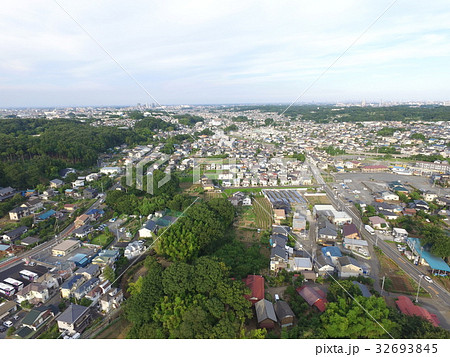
(111, 300)
(256, 285)
(134, 249)
(65, 247)
(34, 293)
(314, 296)
(56, 183)
(333, 253)
(419, 205)
(284, 313)
(7, 307)
(48, 193)
(69, 207)
(45, 215)
(327, 232)
(84, 288)
(74, 319)
(29, 241)
(429, 196)
(348, 267)
(70, 285)
(400, 233)
(37, 317)
(19, 212)
(94, 214)
(406, 306)
(301, 264)
(247, 201)
(358, 245)
(350, 231)
(6, 193)
(279, 215)
(81, 220)
(89, 272)
(265, 314)
(298, 222)
(49, 280)
(82, 231)
(33, 204)
(148, 229)
(389, 196)
(323, 265)
(106, 257)
(15, 234)
(409, 211)
(378, 222)
(89, 193)
(278, 258)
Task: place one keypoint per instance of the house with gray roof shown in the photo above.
(284, 313)
(265, 314)
(74, 319)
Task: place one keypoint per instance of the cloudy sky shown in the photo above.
(208, 52)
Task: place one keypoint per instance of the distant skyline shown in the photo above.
(211, 52)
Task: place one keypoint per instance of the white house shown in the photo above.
(389, 196)
(148, 230)
(247, 201)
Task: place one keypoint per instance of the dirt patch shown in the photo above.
(318, 200)
(396, 280)
(248, 236)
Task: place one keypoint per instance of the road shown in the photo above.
(47, 245)
(436, 291)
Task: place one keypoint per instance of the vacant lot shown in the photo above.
(396, 279)
(318, 200)
(117, 329)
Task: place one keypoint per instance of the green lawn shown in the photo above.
(103, 240)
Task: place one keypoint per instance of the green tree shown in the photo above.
(109, 274)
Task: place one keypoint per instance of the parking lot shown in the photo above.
(366, 183)
(13, 272)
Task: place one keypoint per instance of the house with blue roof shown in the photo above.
(70, 285)
(438, 265)
(46, 215)
(332, 252)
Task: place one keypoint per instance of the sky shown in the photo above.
(52, 52)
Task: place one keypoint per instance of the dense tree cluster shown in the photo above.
(199, 231)
(33, 151)
(197, 300)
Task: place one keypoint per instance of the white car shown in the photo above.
(8, 323)
(427, 278)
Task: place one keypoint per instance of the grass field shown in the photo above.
(318, 200)
(263, 212)
(230, 191)
(118, 329)
(103, 240)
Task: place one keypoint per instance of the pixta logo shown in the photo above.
(137, 171)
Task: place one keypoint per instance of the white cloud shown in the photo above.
(259, 48)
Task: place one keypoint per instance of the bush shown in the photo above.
(10, 331)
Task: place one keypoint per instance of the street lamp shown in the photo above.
(418, 288)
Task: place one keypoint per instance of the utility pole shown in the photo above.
(382, 285)
(418, 288)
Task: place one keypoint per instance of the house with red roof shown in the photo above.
(406, 306)
(314, 296)
(256, 285)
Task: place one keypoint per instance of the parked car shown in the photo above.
(112, 220)
(16, 317)
(8, 323)
(2, 328)
(427, 278)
